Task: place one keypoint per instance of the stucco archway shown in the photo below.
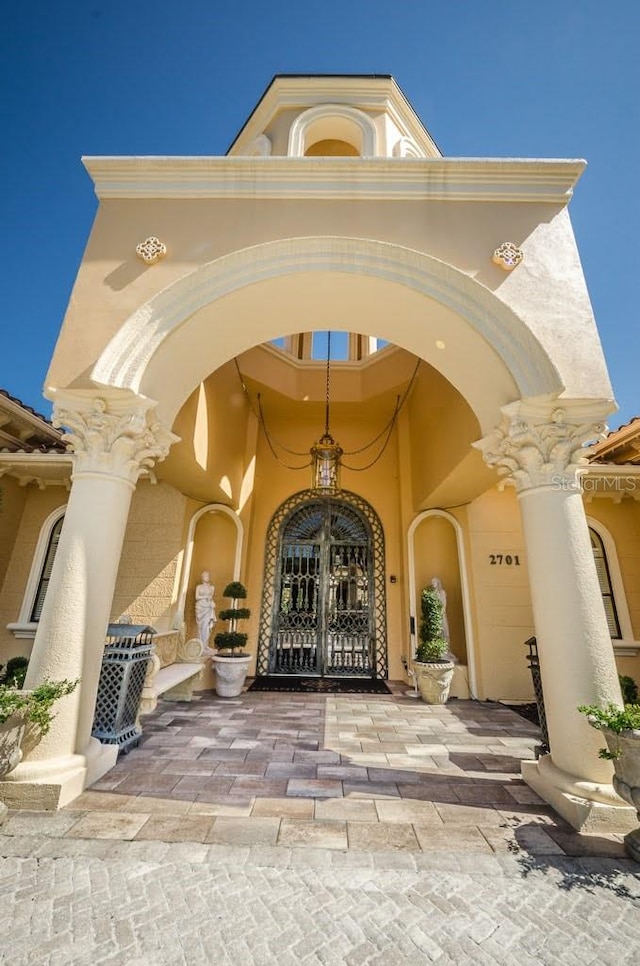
(426, 306)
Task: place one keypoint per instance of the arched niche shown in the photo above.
(332, 122)
(436, 549)
(214, 543)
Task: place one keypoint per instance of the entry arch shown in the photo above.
(169, 345)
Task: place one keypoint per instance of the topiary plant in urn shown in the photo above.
(231, 662)
(432, 664)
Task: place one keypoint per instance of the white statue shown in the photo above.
(436, 583)
(205, 608)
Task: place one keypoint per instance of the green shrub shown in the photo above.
(15, 672)
(232, 639)
(433, 648)
(614, 719)
(235, 590)
(229, 640)
(34, 706)
(234, 613)
(629, 689)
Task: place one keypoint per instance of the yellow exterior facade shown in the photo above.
(333, 210)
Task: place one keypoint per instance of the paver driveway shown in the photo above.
(324, 831)
(361, 772)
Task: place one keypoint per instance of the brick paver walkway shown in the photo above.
(285, 829)
(362, 772)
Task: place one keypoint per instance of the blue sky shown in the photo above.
(489, 79)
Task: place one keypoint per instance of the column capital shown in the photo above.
(542, 442)
(111, 432)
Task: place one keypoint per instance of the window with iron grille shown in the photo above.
(47, 567)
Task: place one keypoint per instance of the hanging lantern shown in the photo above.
(325, 463)
(326, 453)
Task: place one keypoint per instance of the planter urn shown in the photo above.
(434, 680)
(626, 780)
(230, 674)
(11, 737)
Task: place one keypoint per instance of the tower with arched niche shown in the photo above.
(334, 116)
(463, 343)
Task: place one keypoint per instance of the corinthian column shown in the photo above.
(541, 446)
(114, 436)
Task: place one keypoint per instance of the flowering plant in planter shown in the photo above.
(33, 707)
(25, 715)
(615, 721)
(621, 730)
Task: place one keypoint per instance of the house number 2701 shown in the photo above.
(504, 560)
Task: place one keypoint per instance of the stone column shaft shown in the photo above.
(541, 447)
(113, 437)
(576, 657)
(71, 632)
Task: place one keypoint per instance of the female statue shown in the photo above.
(205, 608)
(436, 583)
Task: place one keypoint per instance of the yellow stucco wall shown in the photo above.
(37, 506)
(14, 498)
(501, 599)
(622, 520)
(152, 547)
(112, 282)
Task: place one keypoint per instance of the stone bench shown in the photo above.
(174, 670)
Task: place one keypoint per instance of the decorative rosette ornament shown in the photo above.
(151, 249)
(508, 256)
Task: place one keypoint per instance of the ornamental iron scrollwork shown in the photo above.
(323, 607)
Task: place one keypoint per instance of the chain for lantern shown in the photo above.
(326, 453)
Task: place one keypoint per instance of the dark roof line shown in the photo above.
(29, 409)
(612, 432)
(278, 76)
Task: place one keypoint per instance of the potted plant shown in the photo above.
(231, 662)
(25, 713)
(621, 729)
(432, 664)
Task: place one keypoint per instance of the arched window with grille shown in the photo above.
(606, 587)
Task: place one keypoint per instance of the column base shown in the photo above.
(55, 782)
(587, 806)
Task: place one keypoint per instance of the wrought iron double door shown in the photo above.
(323, 622)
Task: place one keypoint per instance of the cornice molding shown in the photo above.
(424, 179)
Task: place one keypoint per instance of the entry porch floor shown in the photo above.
(354, 772)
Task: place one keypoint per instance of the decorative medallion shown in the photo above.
(151, 249)
(508, 256)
